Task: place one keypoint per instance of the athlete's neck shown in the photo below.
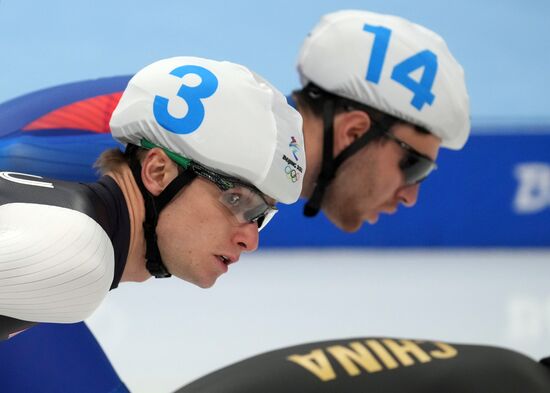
(135, 264)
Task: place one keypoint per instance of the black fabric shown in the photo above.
(10, 325)
(424, 367)
(112, 215)
(70, 195)
(313, 205)
(102, 201)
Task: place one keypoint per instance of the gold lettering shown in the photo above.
(357, 355)
(317, 363)
(406, 347)
(382, 353)
(446, 351)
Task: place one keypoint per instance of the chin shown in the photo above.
(344, 222)
(201, 281)
(204, 284)
(349, 226)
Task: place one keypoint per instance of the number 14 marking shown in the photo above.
(401, 72)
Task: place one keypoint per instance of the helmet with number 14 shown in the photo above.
(379, 96)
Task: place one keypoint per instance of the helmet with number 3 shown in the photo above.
(217, 120)
(392, 65)
(218, 114)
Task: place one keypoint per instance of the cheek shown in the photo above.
(183, 242)
(194, 223)
(173, 235)
(346, 197)
(378, 183)
(178, 226)
(386, 186)
(388, 173)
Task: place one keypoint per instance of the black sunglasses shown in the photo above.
(415, 166)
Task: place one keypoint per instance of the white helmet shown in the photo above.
(218, 114)
(392, 65)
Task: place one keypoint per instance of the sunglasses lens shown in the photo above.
(248, 206)
(416, 168)
(264, 219)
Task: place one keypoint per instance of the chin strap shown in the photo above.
(313, 205)
(330, 164)
(153, 207)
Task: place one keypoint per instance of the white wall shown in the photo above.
(165, 333)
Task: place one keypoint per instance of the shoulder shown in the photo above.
(56, 263)
(23, 187)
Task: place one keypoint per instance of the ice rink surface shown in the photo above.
(165, 333)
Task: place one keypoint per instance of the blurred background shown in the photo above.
(470, 263)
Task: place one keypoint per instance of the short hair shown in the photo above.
(313, 98)
(112, 160)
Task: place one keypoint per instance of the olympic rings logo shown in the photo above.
(291, 173)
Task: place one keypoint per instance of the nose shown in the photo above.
(408, 194)
(247, 236)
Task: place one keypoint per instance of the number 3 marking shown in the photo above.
(401, 72)
(192, 96)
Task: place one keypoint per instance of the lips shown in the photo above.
(227, 260)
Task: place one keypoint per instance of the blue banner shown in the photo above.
(493, 193)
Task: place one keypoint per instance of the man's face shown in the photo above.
(371, 182)
(199, 237)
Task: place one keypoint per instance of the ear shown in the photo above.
(348, 127)
(157, 171)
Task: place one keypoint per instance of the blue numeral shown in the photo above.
(422, 90)
(192, 96)
(378, 53)
(401, 72)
